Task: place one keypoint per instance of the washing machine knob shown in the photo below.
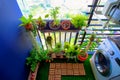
(111, 53)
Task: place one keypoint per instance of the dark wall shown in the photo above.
(14, 43)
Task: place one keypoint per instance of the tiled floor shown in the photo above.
(58, 69)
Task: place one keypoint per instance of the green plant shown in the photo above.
(41, 23)
(33, 59)
(58, 48)
(25, 21)
(88, 45)
(54, 14)
(66, 45)
(49, 40)
(29, 24)
(79, 20)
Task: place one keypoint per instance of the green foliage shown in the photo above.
(78, 20)
(49, 40)
(41, 22)
(58, 48)
(54, 14)
(25, 20)
(35, 57)
(66, 45)
(73, 50)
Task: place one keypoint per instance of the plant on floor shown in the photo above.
(33, 59)
(82, 56)
(72, 52)
(66, 45)
(58, 49)
(78, 20)
(49, 40)
(28, 23)
(55, 24)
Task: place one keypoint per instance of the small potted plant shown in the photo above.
(55, 23)
(41, 23)
(27, 22)
(58, 50)
(65, 24)
(33, 62)
(49, 41)
(83, 55)
(78, 21)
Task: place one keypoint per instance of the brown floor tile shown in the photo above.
(58, 78)
(81, 72)
(58, 71)
(51, 77)
(69, 66)
(75, 65)
(63, 65)
(75, 71)
(51, 71)
(69, 72)
(81, 66)
(52, 65)
(63, 71)
(57, 65)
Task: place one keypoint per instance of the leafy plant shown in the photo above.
(25, 20)
(58, 48)
(66, 45)
(41, 23)
(49, 40)
(54, 14)
(29, 24)
(33, 59)
(78, 20)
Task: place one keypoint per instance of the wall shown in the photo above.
(14, 43)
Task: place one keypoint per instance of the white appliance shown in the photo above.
(112, 10)
(105, 62)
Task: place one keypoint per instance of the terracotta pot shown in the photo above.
(65, 24)
(29, 26)
(53, 27)
(82, 58)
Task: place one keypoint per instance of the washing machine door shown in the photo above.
(102, 62)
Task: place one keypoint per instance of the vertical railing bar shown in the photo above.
(65, 37)
(70, 37)
(60, 36)
(45, 40)
(77, 33)
(55, 37)
(40, 38)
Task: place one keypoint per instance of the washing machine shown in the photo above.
(105, 62)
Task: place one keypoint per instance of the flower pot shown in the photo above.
(52, 26)
(65, 24)
(29, 26)
(82, 58)
(41, 25)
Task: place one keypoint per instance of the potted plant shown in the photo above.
(41, 23)
(27, 22)
(65, 24)
(33, 62)
(78, 21)
(55, 23)
(58, 50)
(83, 55)
(72, 51)
(49, 40)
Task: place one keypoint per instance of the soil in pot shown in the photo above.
(52, 26)
(65, 24)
